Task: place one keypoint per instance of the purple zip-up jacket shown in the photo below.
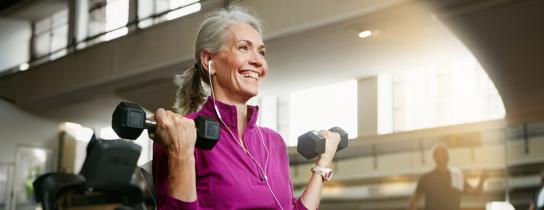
(227, 177)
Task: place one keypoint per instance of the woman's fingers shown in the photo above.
(330, 136)
(175, 133)
(331, 144)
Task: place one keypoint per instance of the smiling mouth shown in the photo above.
(250, 75)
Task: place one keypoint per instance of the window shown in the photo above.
(156, 11)
(268, 111)
(452, 93)
(109, 17)
(322, 108)
(50, 36)
(97, 17)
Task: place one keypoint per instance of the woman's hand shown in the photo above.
(312, 193)
(175, 133)
(177, 136)
(331, 144)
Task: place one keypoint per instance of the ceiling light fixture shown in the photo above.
(24, 66)
(365, 34)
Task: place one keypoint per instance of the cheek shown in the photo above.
(234, 63)
(265, 69)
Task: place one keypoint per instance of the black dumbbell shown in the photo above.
(311, 144)
(129, 120)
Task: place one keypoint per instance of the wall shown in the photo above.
(21, 128)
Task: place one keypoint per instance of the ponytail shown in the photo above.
(190, 94)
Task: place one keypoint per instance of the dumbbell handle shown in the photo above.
(150, 125)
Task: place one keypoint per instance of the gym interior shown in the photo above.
(399, 76)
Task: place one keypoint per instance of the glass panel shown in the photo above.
(340, 109)
(60, 38)
(268, 112)
(97, 22)
(145, 8)
(41, 44)
(183, 11)
(174, 4)
(42, 25)
(60, 18)
(116, 14)
(385, 104)
(161, 6)
(398, 120)
(453, 93)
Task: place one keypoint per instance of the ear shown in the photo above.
(205, 57)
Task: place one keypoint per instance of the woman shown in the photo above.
(248, 168)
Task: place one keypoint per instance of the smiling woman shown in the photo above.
(249, 167)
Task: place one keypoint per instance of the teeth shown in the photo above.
(250, 74)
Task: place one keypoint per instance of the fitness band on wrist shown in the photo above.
(326, 173)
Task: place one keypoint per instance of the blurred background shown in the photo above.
(397, 75)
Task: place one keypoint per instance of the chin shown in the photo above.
(253, 94)
(250, 94)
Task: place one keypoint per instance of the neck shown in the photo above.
(240, 104)
(442, 168)
(241, 109)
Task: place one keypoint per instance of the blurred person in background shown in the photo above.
(443, 186)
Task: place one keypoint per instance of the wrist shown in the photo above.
(181, 156)
(323, 163)
(325, 173)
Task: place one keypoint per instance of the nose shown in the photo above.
(256, 60)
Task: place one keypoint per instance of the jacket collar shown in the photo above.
(229, 113)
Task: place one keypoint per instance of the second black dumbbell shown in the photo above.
(311, 143)
(129, 120)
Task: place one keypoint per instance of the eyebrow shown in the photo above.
(245, 40)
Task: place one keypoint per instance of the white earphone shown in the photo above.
(211, 87)
(210, 66)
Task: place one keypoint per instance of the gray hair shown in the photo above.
(211, 36)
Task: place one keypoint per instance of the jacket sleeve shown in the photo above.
(160, 179)
(296, 203)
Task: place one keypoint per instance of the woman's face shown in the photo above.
(240, 65)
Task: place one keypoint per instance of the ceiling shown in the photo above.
(5, 4)
(32, 10)
(407, 36)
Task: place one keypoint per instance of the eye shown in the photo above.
(262, 52)
(243, 47)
